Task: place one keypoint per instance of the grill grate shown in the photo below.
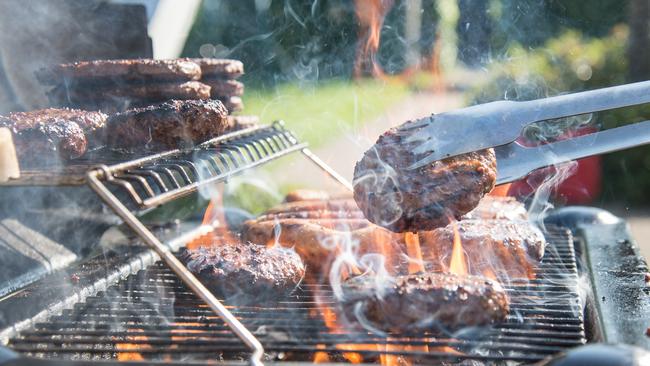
(152, 315)
(158, 179)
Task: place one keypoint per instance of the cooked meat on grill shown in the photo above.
(306, 195)
(337, 204)
(149, 93)
(214, 68)
(315, 216)
(224, 88)
(236, 123)
(171, 124)
(35, 146)
(120, 70)
(500, 208)
(233, 104)
(401, 200)
(320, 241)
(244, 272)
(424, 301)
(509, 249)
(88, 121)
(38, 134)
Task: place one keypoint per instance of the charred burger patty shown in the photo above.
(399, 199)
(425, 301)
(246, 271)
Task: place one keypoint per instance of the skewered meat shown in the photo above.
(509, 249)
(171, 124)
(120, 71)
(499, 208)
(246, 272)
(65, 132)
(424, 301)
(392, 196)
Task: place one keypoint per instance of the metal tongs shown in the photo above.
(499, 124)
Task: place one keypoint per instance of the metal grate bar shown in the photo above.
(152, 313)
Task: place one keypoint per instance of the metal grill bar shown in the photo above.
(152, 313)
(154, 180)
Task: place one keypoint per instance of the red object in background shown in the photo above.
(580, 188)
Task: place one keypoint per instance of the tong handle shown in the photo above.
(515, 161)
(585, 102)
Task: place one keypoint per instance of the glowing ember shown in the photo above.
(458, 263)
(131, 356)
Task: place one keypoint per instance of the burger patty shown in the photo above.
(392, 196)
(509, 249)
(65, 132)
(306, 195)
(224, 88)
(424, 301)
(172, 124)
(233, 104)
(244, 272)
(149, 92)
(334, 205)
(498, 208)
(120, 70)
(320, 241)
(215, 68)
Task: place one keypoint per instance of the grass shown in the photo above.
(319, 112)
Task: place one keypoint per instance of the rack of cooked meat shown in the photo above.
(128, 106)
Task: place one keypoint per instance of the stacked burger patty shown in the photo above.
(117, 85)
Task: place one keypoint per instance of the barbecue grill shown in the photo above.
(135, 301)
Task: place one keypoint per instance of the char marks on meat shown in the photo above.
(509, 249)
(246, 272)
(424, 301)
(172, 124)
(426, 198)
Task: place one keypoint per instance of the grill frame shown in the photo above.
(164, 277)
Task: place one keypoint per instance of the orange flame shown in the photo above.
(458, 262)
(370, 14)
(414, 252)
(131, 356)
